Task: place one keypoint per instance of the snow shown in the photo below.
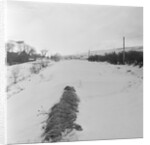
(111, 100)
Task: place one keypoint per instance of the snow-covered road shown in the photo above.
(111, 100)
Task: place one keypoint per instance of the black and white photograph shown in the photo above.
(74, 72)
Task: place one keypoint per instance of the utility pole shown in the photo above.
(123, 50)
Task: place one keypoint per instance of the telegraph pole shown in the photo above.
(123, 50)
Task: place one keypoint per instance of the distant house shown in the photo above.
(19, 52)
(23, 57)
(12, 58)
(15, 58)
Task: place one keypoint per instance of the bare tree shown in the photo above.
(21, 46)
(44, 52)
(32, 51)
(9, 47)
(27, 48)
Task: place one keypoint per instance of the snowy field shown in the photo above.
(111, 99)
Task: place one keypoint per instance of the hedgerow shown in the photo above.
(131, 57)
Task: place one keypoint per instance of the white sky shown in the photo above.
(70, 28)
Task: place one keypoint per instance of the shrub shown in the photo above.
(44, 63)
(56, 57)
(35, 69)
(15, 74)
(134, 57)
(62, 116)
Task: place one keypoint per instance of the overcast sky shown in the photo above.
(71, 28)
